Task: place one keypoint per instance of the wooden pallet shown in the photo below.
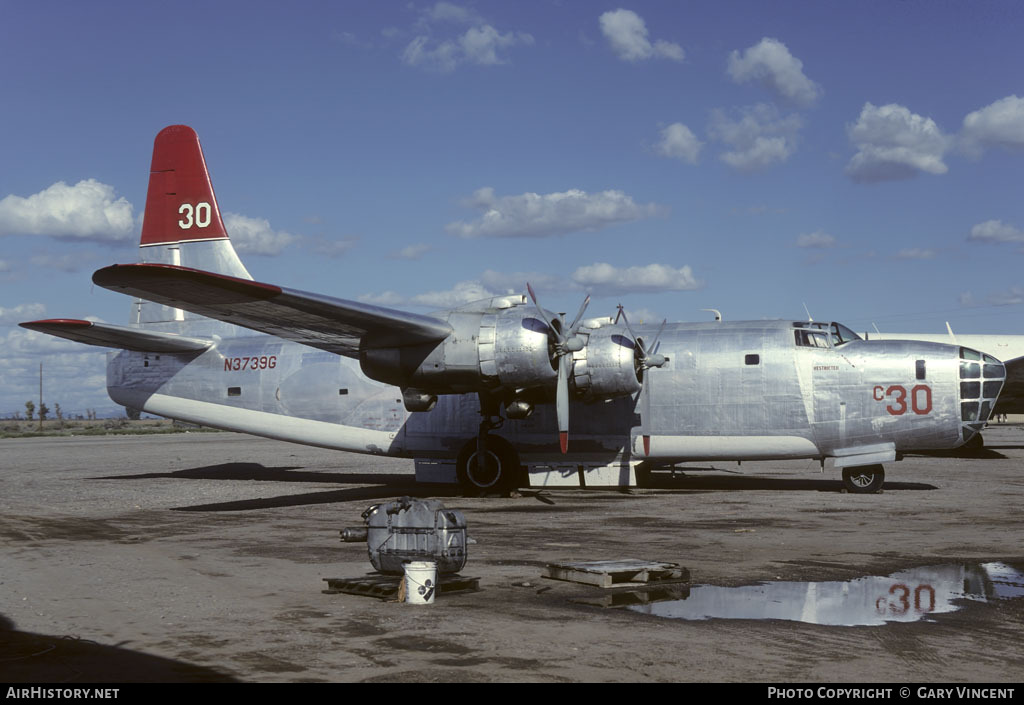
(620, 573)
(386, 587)
(637, 596)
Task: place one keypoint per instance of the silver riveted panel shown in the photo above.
(521, 349)
(485, 346)
(606, 368)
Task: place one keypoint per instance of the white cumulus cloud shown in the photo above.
(816, 240)
(996, 231)
(515, 282)
(759, 138)
(1000, 124)
(626, 32)
(894, 143)
(462, 293)
(606, 279)
(770, 62)
(450, 12)
(89, 210)
(255, 236)
(679, 142)
(536, 215)
(481, 44)
(74, 374)
(22, 312)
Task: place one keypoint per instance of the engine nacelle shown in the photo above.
(415, 400)
(495, 344)
(607, 366)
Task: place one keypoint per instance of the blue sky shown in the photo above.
(862, 158)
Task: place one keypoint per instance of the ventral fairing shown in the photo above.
(501, 392)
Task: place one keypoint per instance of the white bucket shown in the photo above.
(420, 582)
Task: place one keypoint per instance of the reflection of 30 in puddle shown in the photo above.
(906, 596)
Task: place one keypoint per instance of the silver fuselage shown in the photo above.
(729, 390)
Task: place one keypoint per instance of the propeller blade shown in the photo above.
(565, 344)
(652, 358)
(654, 345)
(649, 356)
(562, 402)
(645, 412)
(622, 314)
(576, 321)
(554, 331)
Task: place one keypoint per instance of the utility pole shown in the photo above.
(40, 395)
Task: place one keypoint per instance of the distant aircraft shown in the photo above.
(488, 393)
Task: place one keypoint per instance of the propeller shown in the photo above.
(647, 357)
(564, 344)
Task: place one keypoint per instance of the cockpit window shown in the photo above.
(822, 335)
(841, 334)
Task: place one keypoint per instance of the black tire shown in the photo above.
(499, 472)
(867, 479)
(976, 444)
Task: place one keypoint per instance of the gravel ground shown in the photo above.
(201, 557)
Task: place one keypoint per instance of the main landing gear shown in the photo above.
(867, 479)
(488, 463)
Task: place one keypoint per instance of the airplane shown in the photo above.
(488, 393)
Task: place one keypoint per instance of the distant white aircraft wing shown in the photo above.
(1011, 399)
(336, 325)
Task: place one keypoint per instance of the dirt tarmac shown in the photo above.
(201, 557)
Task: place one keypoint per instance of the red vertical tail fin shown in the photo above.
(182, 224)
(180, 203)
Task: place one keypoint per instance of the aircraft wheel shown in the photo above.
(496, 470)
(867, 479)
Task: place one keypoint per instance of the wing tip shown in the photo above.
(119, 276)
(55, 323)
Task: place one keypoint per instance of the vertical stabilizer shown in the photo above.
(182, 224)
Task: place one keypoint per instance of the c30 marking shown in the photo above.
(920, 399)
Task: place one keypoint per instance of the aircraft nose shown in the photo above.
(981, 379)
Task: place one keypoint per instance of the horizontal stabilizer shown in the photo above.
(336, 325)
(109, 336)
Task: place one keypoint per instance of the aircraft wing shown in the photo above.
(336, 325)
(110, 336)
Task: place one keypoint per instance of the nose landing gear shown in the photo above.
(867, 479)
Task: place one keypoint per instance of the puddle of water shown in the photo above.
(906, 596)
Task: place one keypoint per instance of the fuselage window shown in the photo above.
(234, 391)
(752, 359)
(920, 369)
